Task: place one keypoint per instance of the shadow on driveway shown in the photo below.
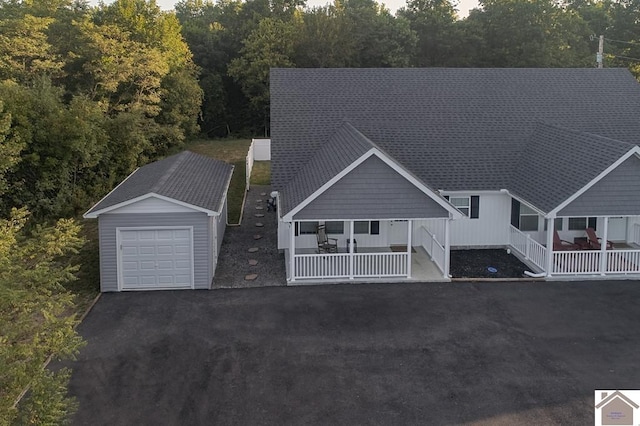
(449, 353)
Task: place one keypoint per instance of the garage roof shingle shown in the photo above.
(187, 177)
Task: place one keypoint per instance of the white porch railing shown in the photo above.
(338, 265)
(527, 247)
(433, 247)
(623, 261)
(379, 264)
(581, 262)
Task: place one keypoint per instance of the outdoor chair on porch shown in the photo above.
(562, 245)
(594, 241)
(325, 244)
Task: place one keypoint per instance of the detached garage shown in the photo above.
(162, 227)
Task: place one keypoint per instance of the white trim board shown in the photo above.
(95, 214)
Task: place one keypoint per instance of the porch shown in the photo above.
(622, 259)
(369, 264)
(399, 250)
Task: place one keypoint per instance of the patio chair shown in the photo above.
(563, 245)
(325, 244)
(595, 241)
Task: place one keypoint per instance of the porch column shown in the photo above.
(549, 253)
(292, 250)
(409, 232)
(447, 248)
(351, 245)
(603, 247)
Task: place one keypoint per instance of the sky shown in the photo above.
(463, 6)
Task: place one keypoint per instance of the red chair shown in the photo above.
(562, 245)
(595, 241)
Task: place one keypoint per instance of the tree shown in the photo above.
(522, 33)
(34, 319)
(434, 22)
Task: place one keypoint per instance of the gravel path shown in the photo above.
(233, 262)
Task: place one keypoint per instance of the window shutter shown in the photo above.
(515, 213)
(592, 222)
(297, 230)
(375, 227)
(446, 197)
(475, 207)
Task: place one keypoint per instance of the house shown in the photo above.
(615, 409)
(412, 163)
(162, 227)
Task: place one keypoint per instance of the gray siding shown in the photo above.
(617, 194)
(373, 190)
(108, 250)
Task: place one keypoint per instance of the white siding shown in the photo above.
(152, 205)
(491, 228)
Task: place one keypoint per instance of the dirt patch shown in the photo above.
(476, 264)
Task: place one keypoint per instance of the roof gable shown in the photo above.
(187, 179)
(557, 162)
(455, 129)
(347, 150)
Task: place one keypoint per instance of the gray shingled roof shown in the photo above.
(455, 129)
(545, 178)
(344, 147)
(188, 177)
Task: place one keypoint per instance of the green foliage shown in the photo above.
(35, 323)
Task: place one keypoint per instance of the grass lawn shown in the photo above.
(234, 151)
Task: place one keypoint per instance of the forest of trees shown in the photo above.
(89, 93)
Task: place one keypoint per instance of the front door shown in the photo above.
(398, 232)
(617, 230)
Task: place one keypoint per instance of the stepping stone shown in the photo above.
(253, 262)
(259, 215)
(250, 277)
(263, 193)
(257, 237)
(259, 224)
(259, 208)
(253, 249)
(259, 200)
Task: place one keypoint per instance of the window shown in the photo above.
(528, 219)
(334, 227)
(366, 227)
(582, 223)
(462, 203)
(469, 206)
(557, 224)
(306, 228)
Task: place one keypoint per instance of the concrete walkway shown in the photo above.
(234, 261)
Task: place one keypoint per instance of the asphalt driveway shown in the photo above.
(447, 353)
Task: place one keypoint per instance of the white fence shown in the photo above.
(433, 247)
(579, 262)
(259, 150)
(347, 265)
(527, 247)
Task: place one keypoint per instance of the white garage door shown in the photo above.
(156, 259)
